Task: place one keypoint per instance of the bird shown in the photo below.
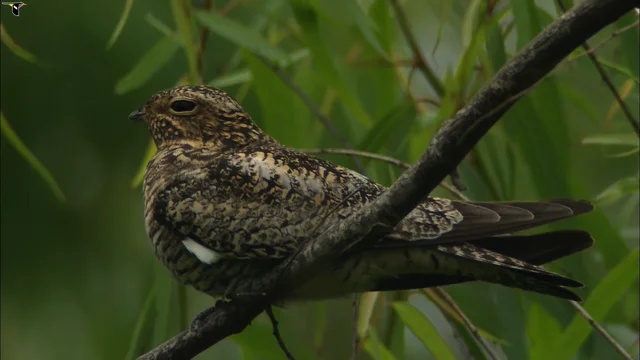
(225, 202)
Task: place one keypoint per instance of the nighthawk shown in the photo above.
(225, 202)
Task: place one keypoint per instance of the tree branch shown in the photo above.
(419, 60)
(448, 147)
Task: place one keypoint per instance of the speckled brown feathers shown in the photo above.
(224, 201)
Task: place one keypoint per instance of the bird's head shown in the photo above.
(198, 116)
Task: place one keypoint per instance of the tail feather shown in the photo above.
(507, 260)
(538, 249)
(506, 264)
(512, 217)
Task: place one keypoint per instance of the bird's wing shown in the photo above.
(480, 219)
(264, 202)
(260, 203)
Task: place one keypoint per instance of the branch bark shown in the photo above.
(447, 149)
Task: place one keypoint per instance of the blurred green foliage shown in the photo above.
(79, 280)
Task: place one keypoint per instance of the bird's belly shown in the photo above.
(215, 279)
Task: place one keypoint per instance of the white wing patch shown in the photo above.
(202, 252)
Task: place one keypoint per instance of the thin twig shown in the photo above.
(382, 62)
(467, 322)
(276, 333)
(601, 330)
(204, 32)
(355, 308)
(421, 62)
(433, 102)
(611, 37)
(589, 52)
(315, 110)
(383, 158)
(230, 6)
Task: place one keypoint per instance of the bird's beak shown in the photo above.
(136, 116)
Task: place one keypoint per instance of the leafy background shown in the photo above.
(79, 280)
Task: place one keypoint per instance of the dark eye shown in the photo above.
(183, 106)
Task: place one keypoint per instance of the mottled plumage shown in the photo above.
(225, 202)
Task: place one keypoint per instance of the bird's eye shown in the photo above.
(182, 106)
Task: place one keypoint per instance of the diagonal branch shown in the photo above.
(448, 147)
(625, 109)
(467, 322)
(594, 324)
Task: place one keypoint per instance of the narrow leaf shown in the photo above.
(239, 34)
(376, 348)
(399, 118)
(182, 16)
(121, 22)
(606, 295)
(542, 329)
(148, 154)
(624, 187)
(365, 311)
(24, 151)
(422, 327)
(232, 79)
(144, 318)
(452, 314)
(15, 48)
(164, 293)
(150, 63)
(628, 139)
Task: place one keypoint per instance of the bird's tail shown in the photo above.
(507, 260)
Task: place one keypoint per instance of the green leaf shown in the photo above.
(150, 63)
(232, 79)
(542, 330)
(6, 39)
(163, 28)
(324, 61)
(143, 322)
(240, 35)
(621, 188)
(148, 154)
(604, 297)
(627, 139)
(365, 311)
(24, 151)
(257, 342)
(244, 76)
(182, 16)
(422, 327)
(446, 308)
(399, 118)
(619, 68)
(320, 315)
(277, 101)
(121, 22)
(376, 348)
(351, 13)
(470, 21)
(164, 285)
